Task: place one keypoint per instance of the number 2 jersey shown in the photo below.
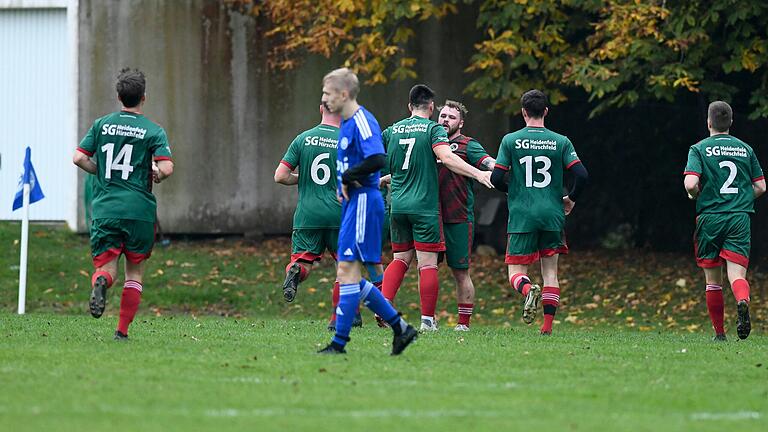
(413, 165)
(536, 159)
(314, 153)
(727, 167)
(123, 145)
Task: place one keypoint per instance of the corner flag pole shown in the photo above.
(24, 242)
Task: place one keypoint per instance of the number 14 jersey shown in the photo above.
(535, 158)
(123, 145)
(314, 153)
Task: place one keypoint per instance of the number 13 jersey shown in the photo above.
(535, 158)
(413, 165)
(123, 145)
(727, 167)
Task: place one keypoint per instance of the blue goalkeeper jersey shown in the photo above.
(359, 138)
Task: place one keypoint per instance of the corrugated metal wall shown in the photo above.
(35, 109)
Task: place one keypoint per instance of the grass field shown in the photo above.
(215, 348)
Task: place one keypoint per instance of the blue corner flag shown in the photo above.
(29, 176)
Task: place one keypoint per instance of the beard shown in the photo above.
(449, 129)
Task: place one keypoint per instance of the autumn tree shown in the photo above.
(619, 52)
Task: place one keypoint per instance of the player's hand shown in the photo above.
(568, 205)
(485, 179)
(155, 173)
(385, 180)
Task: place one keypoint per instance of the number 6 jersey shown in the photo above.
(726, 167)
(123, 145)
(535, 158)
(314, 153)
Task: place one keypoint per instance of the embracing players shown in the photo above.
(535, 159)
(119, 150)
(360, 157)
(457, 205)
(414, 144)
(724, 177)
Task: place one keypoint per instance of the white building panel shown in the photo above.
(38, 109)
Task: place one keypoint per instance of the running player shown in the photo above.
(535, 158)
(316, 219)
(414, 145)
(123, 145)
(457, 206)
(360, 157)
(724, 177)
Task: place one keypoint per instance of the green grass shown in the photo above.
(214, 347)
(177, 373)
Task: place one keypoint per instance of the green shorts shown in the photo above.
(527, 248)
(458, 244)
(309, 244)
(112, 237)
(722, 236)
(422, 232)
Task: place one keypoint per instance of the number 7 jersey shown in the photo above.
(536, 159)
(123, 145)
(727, 167)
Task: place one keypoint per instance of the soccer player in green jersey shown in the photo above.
(125, 152)
(309, 163)
(413, 145)
(724, 177)
(535, 158)
(457, 206)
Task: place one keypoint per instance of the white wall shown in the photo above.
(38, 77)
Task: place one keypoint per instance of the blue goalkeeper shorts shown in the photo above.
(361, 220)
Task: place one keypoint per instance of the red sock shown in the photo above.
(550, 298)
(335, 299)
(106, 275)
(521, 283)
(715, 306)
(129, 304)
(393, 278)
(429, 287)
(465, 313)
(740, 289)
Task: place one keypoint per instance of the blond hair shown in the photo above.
(343, 79)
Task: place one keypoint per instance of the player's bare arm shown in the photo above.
(758, 188)
(84, 162)
(488, 164)
(161, 170)
(457, 165)
(285, 175)
(691, 183)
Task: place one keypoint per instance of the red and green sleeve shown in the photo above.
(161, 149)
(291, 158)
(476, 154)
(570, 158)
(503, 159)
(88, 145)
(438, 135)
(757, 171)
(693, 167)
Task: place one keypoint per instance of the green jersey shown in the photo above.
(413, 165)
(314, 153)
(457, 197)
(536, 158)
(123, 145)
(727, 167)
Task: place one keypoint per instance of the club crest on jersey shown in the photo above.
(344, 143)
(454, 147)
